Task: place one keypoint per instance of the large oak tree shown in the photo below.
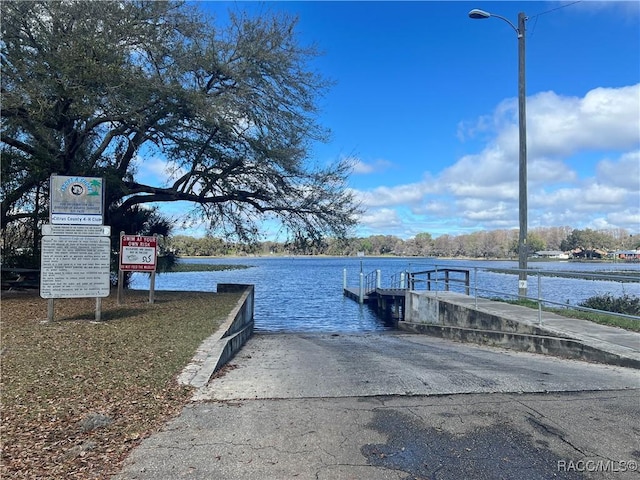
(95, 88)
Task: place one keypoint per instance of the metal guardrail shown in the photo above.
(541, 301)
(480, 292)
(444, 278)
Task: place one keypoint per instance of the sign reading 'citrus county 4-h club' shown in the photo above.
(138, 253)
(77, 200)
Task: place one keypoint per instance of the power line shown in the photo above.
(548, 11)
(557, 8)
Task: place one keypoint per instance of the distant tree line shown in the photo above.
(483, 244)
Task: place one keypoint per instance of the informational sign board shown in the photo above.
(75, 266)
(138, 253)
(77, 200)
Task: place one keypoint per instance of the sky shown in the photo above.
(425, 103)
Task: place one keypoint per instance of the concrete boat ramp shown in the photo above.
(401, 405)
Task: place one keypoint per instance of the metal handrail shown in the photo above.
(447, 280)
(559, 274)
(443, 278)
(370, 282)
(399, 280)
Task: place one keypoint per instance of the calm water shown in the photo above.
(305, 294)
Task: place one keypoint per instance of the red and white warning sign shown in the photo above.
(138, 253)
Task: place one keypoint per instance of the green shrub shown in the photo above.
(627, 304)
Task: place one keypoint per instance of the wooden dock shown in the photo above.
(354, 294)
(388, 301)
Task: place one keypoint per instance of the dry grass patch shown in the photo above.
(77, 395)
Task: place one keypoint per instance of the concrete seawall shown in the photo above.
(462, 318)
(220, 347)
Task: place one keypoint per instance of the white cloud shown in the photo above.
(624, 173)
(156, 171)
(490, 166)
(151, 167)
(481, 190)
(546, 171)
(363, 168)
(408, 194)
(384, 217)
(596, 7)
(625, 217)
(606, 118)
(439, 208)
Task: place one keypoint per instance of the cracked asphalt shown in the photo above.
(399, 406)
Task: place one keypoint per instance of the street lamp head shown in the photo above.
(478, 14)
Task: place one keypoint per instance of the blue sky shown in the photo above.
(425, 102)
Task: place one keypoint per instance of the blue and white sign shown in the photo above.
(77, 200)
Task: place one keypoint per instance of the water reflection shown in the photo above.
(304, 294)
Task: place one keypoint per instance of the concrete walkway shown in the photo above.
(587, 340)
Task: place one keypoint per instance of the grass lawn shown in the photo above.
(601, 318)
(60, 380)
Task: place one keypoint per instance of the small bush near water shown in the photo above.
(626, 304)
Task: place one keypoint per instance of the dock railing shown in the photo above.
(372, 281)
(436, 277)
(481, 282)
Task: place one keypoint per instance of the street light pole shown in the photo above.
(523, 247)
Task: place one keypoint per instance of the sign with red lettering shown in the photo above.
(138, 253)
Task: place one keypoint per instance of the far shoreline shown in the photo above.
(435, 259)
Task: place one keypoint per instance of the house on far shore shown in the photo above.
(628, 255)
(557, 254)
(591, 253)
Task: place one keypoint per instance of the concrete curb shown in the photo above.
(548, 345)
(219, 348)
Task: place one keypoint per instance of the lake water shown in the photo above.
(304, 294)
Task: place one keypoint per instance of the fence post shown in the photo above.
(475, 285)
(402, 280)
(378, 277)
(467, 283)
(361, 291)
(344, 278)
(539, 300)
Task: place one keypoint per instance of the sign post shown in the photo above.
(138, 253)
